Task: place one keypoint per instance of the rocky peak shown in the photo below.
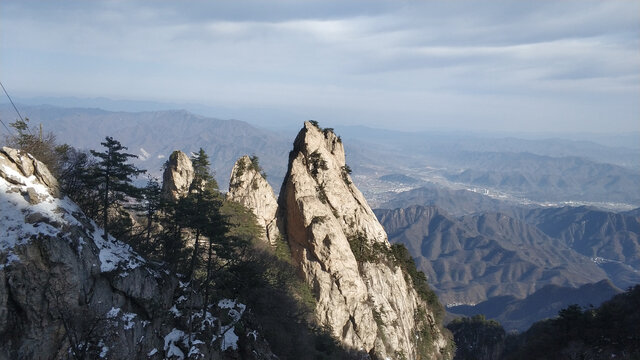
(177, 177)
(248, 186)
(363, 297)
(321, 153)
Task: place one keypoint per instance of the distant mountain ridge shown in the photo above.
(610, 237)
(456, 202)
(473, 258)
(153, 135)
(543, 177)
(520, 314)
(594, 172)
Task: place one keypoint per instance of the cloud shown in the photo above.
(421, 60)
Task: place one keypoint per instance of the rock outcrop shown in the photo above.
(65, 292)
(178, 176)
(364, 298)
(248, 186)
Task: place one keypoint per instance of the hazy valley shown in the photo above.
(515, 171)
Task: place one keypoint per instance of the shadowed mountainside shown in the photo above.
(520, 314)
(473, 258)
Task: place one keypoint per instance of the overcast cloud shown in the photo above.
(509, 66)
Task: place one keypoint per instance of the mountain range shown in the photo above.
(520, 314)
(520, 170)
(471, 215)
(476, 257)
(519, 268)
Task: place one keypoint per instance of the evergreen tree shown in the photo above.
(194, 209)
(152, 199)
(112, 176)
(148, 208)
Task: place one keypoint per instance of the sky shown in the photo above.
(519, 66)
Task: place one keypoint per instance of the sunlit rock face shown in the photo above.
(366, 303)
(249, 187)
(178, 176)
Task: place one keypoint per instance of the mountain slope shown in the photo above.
(613, 237)
(153, 135)
(473, 258)
(520, 314)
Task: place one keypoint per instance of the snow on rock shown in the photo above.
(30, 206)
(113, 313)
(127, 318)
(234, 311)
(104, 349)
(170, 347)
(175, 311)
(230, 340)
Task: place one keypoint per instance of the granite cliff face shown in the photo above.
(68, 293)
(177, 177)
(363, 297)
(62, 283)
(248, 186)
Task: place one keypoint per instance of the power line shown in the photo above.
(5, 126)
(14, 107)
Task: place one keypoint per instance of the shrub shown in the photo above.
(317, 162)
(345, 172)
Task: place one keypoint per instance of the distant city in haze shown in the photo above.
(509, 67)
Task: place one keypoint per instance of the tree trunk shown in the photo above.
(105, 203)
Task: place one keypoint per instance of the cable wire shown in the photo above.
(5, 126)
(14, 107)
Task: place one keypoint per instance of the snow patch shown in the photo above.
(175, 311)
(170, 347)
(51, 215)
(230, 340)
(229, 337)
(127, 318)
(111, 314)
(104, 350)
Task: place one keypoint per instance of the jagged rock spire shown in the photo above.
(177, 177)
(248, 186)
(363, 297)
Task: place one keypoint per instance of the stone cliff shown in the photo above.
(248, 186)
(363, 296)
(68, 293)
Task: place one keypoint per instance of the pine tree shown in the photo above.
(152, 197)
(112, 176)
